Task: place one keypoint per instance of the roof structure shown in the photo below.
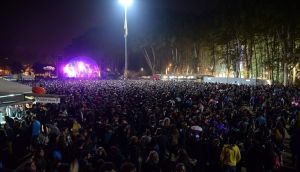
(10, 87)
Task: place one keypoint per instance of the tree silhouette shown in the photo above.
(16, 67)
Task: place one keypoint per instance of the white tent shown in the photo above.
(10, 87)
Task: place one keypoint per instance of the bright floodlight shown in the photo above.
(126, 3)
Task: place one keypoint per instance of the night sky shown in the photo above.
(34, 29)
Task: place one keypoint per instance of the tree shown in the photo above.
(16, 67)
(38, 67)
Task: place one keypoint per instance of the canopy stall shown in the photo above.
(12, 92)
(11, 96)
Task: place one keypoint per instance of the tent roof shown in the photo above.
(9, 87)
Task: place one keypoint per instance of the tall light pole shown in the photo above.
(126, 4)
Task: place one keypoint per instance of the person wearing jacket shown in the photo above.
(230, 156)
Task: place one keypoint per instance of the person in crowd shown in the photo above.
(40, 160)
(157, 126)
(75, 127)
(108, 167)
(128, 167)
(152, 163)
(36, 130)
(184, 158)
(180, 168)
(74, 166)
(230, 156)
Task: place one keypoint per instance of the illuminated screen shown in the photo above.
(81, 68)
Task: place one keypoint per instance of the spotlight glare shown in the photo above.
(126, 3)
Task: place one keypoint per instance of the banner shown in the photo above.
(55, 100)
(27, 77)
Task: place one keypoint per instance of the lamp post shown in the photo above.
(126, 4)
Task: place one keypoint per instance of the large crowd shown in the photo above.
(157, 126)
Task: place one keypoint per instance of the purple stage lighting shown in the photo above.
(81, 67)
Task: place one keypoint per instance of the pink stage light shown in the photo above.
(69, 71)
(81, 68)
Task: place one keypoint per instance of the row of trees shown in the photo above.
(257, 39)
(16, 67)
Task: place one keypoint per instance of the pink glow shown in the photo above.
(81, 68)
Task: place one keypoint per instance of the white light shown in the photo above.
(126, 3)
(10, 95)
(81, 66)
(248, 80)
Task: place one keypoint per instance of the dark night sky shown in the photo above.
(33, 29)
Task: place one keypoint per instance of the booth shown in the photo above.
(12, 99)
(15, 98)
(39, 95)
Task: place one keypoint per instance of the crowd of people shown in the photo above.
(157, 126)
